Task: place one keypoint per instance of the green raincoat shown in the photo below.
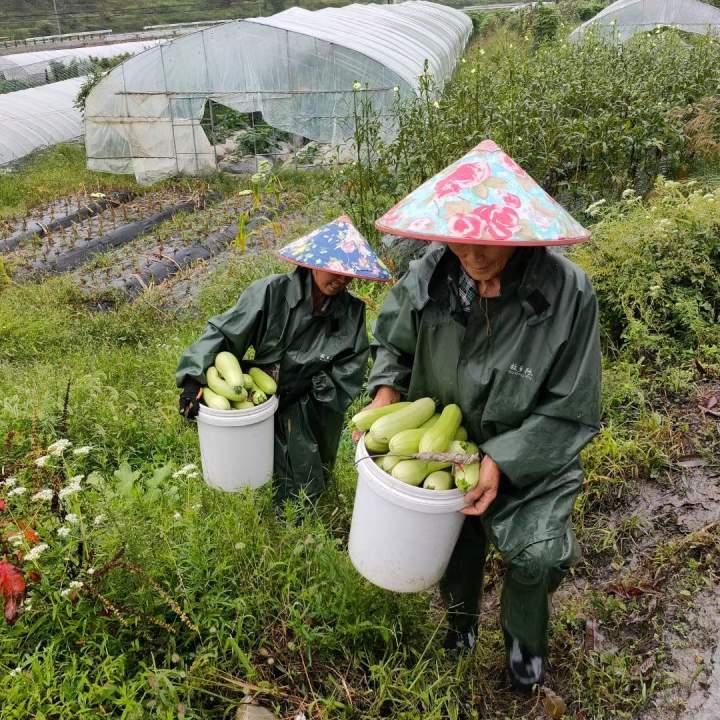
(525, 369)
(321, 360)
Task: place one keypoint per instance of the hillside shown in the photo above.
(22, 18)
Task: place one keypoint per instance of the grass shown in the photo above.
(52, 174)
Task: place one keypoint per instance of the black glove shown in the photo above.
(190, 398)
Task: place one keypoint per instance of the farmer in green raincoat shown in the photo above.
(308, 330)
(491, 319)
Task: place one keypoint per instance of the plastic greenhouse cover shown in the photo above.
(627, 17)
(297, 68)
(30, 65)
(38, 117)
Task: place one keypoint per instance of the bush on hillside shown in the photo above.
(656, 269)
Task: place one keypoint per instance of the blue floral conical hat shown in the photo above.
(337, 247)
(484, 198)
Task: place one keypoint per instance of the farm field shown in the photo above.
(150, 595)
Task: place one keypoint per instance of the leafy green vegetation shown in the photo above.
(584, 133)
(656, 269)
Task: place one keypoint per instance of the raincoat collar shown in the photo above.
(525, 275)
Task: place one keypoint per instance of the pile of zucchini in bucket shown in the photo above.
(400, 436)
(228, 388)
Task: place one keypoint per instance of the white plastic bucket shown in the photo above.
(401, 537)
(236, 446)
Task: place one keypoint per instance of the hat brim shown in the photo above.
(369, 278)
(429, 237)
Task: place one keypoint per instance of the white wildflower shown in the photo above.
(91, 571)
(240, 546)
(462, 60)
(42, 461)
(44, 494)
(99, 520)
(16, 540)
(15, 671)
(65, 593)
(357, 85)
(59, 447)
(628, 193)
(592, 210)
(63, 531)
(396, 89)
(76, 584)
(482, 52)
(36, 552)
(177, 516)
(184, 470)
(19, 490)
(72, 519)
(10, 482)
(436, 104)
(84, 450)
(72, 487)
(473, 71)
(192, 475)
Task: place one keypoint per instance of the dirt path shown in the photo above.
(686, 511)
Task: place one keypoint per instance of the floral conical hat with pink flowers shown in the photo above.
(339, 248)
(484, 198)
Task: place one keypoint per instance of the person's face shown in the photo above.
(482, 262)
(330, 283)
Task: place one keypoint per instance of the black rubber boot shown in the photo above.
(524, 670)
(460, 640)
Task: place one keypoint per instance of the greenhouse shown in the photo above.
(624, 18)
(298, 68)
(43, 66)
(38, 117)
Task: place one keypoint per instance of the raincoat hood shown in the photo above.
(484, 198)
(339, 248)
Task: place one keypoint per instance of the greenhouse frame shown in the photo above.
(301, 69)
(624, 18)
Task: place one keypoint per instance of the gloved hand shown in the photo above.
(190, 398)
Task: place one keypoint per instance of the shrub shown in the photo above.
(656, 269)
